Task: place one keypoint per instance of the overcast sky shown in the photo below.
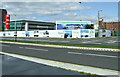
(56, 11)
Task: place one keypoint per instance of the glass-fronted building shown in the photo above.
(26, 25)
(3, 12)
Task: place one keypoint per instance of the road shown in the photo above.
(99, 59)
(30, 68)
(110, 42)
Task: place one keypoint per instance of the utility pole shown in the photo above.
(15, 30)
(98, 22)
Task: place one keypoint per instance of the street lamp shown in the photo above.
(81, 20)
(15, 30)
(98, 21)
(80, 4)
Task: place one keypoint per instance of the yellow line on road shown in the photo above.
(57, 61)
(59, 46)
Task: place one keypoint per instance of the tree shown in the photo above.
(89, 27)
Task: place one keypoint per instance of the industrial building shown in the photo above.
(112, 26)
(27, 25)
(3, 12)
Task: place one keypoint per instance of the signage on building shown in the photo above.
(73, 25)
(7, 21)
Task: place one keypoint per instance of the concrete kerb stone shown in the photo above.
(69, 47)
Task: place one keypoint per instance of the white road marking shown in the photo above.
(67, 66)
(63, 41)
(91, 43)
(35, 49)
(96, 43)
(85, 42)
(5, 45)
(20, 47)
(93, 54)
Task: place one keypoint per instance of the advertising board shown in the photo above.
(76, 34)
(67, 33)
(85, 33)
(73, 25)
(92, 33)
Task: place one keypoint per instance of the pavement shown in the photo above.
(87, 60)
(104, 41)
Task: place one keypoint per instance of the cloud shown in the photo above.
(76, 17)
(115, 19)
(41, 8)
(61, 0)
(71, 14)
(50, 11)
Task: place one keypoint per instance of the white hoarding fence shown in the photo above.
(84, 33)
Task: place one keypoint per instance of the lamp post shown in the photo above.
(15, 30)
(98, 21)
(81, 20)
(80, 4)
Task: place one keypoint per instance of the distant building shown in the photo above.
(114, 26)
(3, 12)
(27, 25)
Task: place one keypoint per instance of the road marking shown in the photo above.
(91, 43)
(20, 47)
(85, 42)
(69, 47)
(63, 41)
(35, 49)
(93, 54)
(67, 66)
(5, 45)
(96, 43)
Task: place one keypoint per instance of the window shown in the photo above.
(18, 27)
(11, 27)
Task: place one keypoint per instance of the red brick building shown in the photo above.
(113, 26)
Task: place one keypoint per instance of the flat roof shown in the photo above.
(34, 21)
(73, 22)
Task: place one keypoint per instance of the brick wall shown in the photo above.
(115, 26)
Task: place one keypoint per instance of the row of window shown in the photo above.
(16, 23)
(33, 28)
(14, 27)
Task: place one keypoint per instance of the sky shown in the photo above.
(62, 11)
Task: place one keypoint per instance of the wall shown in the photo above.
(84, 33)
(115, 26)
(104, 33)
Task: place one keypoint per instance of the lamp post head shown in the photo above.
(80, 2)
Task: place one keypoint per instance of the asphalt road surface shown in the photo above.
(110, 42)
(99, 59)
(16, 66)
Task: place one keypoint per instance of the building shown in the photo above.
(27, 25)
(114, 26)
(3, 12)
